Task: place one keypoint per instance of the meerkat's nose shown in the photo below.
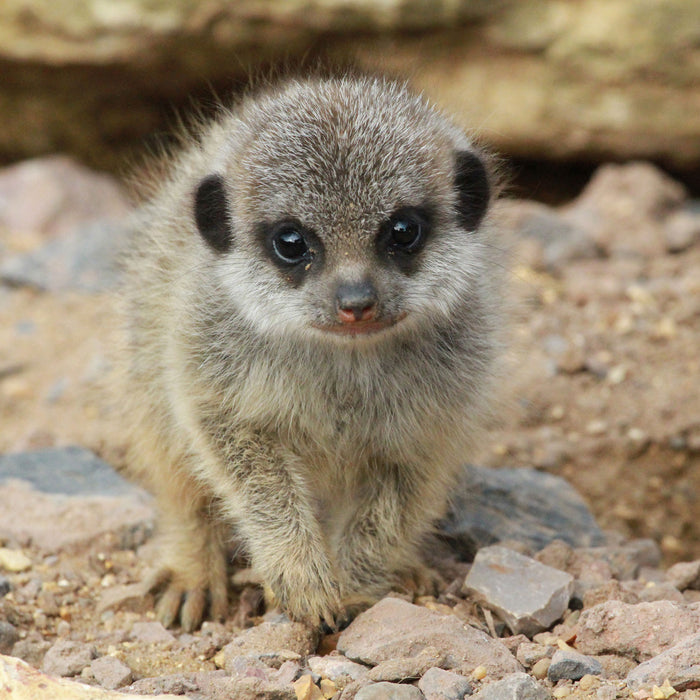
(356, 301)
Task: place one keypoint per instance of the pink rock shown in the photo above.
(394, 628)
(638, 631)
(151, 633)
(55, 194)
(680, 664)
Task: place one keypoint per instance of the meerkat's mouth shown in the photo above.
(359, 328)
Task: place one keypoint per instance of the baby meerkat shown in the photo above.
(313, 315)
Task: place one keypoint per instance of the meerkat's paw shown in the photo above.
(190, 594)
(306, 595)
(421, 580)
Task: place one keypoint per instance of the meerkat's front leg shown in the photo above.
(379, 546)
(264, 486)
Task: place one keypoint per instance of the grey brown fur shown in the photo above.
(328, 447)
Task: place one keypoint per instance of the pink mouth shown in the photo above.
(359, 327)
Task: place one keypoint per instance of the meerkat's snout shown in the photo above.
(356, 302)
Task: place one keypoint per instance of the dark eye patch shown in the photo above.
(291, 246)
(403, 235)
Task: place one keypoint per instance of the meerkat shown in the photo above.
(313, 301)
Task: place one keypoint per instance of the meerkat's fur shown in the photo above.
(303, 370)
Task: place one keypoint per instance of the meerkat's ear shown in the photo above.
(473, 189)
(211, 213)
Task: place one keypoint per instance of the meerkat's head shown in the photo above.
(344, 209)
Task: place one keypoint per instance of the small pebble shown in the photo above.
(14, 560)
(541, 668)
(306, 689)
(479, 673)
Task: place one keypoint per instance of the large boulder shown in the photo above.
(595, 78)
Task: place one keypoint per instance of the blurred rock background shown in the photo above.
(555, 85)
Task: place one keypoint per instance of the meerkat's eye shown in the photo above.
(405, 231)
(289, 244)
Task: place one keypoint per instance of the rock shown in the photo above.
(110, 672)
(54, 195)
(67, 658)
(134, 597)
(615, 666)
(684, 575)
(150, 633)
(579, 77)
(437, 684)
(19, 680)
(623, 206)
(637, 631)
(407, 668)
(613, 590)
(560, 241)
(306, 689)
(682, 230)
(14, 560)
(337, 668)
(516, 686)
(529, 653)
(528, 596)
(8, 636)
(680, 665)
(567, 664)
(32, 649)
(84, 260)
(271, 642)
(389, 691)
(5, 586)
(71, 471)
(522, 505)
(394, 628)
(599, 564)
(67, 497)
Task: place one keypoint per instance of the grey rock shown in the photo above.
(680, 664)
(570, 665)
(394, 628)
(523, 505)
(72, 471)
(527, 595)
(5, 586)
(110, 672)
(272, 642)
(337, 668)
(517, 686)
(67, 658)
(438, 684)
(389, 691)
(67, 497)
(638, 631)
(8, 636)
(84, 260)
(561, 241)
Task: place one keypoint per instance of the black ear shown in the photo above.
(473, 189)
(211, 213)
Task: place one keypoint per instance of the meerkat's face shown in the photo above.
(345, 210)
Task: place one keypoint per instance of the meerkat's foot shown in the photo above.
(191, 593)
(421, 580)
(307, 598)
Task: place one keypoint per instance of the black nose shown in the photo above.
(356, 301)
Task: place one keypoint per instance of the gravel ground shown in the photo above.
(602, 389)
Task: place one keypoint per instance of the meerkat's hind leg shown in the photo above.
(193, 570)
